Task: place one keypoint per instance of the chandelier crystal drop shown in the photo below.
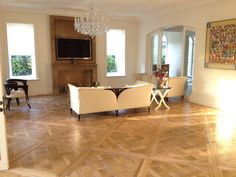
(91, 22)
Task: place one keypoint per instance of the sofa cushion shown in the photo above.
(178, 85)
(135, 96)
(91, 99)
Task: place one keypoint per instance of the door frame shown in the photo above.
(4, 161)
(158, 32)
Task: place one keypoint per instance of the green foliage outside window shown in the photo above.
(21, 65)
(163, 59)
(111, 64)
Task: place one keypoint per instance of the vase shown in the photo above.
(158, 82)
(162, 83)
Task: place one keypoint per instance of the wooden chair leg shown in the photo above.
(79, 117)
(116, 111)
(27, 102)
(8, 103)
(71, 111)
(29, 105)
(17, 101)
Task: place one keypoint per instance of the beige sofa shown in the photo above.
(89, 100)
(178, 85)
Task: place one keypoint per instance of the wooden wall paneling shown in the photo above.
(82, 72)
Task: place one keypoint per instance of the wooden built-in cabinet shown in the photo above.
(78, 71)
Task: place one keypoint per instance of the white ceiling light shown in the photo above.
(92, 22)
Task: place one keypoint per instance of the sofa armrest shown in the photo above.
(74, 98)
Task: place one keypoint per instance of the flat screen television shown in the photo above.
(73, 48)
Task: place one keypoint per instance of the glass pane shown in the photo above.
(116, 52)
(21, 65)
(154, 51)
(164, 50)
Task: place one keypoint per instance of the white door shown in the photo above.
(3, 139)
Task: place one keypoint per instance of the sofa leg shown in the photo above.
(17, 101)
(117, 114)
(70, 111)
(79, 117)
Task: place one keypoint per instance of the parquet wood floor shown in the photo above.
(187, 140)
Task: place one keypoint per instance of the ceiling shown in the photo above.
(132, 8)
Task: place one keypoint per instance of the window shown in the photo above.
(21, 50)
(115, 52)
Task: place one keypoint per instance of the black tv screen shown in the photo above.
(73, 48)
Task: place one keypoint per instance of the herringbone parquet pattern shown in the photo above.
(188, 140)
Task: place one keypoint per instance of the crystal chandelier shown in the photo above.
(92, 22)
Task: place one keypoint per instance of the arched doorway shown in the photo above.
(174, 46)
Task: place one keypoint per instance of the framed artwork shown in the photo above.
(221, 44)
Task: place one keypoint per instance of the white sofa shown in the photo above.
(89, 100)
(178, 85)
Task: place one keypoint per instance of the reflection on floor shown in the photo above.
(188, 140)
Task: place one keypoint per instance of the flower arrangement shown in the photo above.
(161, 78)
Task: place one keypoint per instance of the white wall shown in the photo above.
(42, 43)
(131, 56)
(43, 49)
(207, 83)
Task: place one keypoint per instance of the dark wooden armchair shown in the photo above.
(16, 88)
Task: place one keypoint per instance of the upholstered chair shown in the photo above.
(15, 91)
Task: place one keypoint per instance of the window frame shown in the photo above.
(34, 75)
(116, 74)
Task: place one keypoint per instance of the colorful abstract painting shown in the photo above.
(221, 44)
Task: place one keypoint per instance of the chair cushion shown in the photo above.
(16, 94)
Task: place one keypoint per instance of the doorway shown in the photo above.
(174, 46)
(189, 59)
